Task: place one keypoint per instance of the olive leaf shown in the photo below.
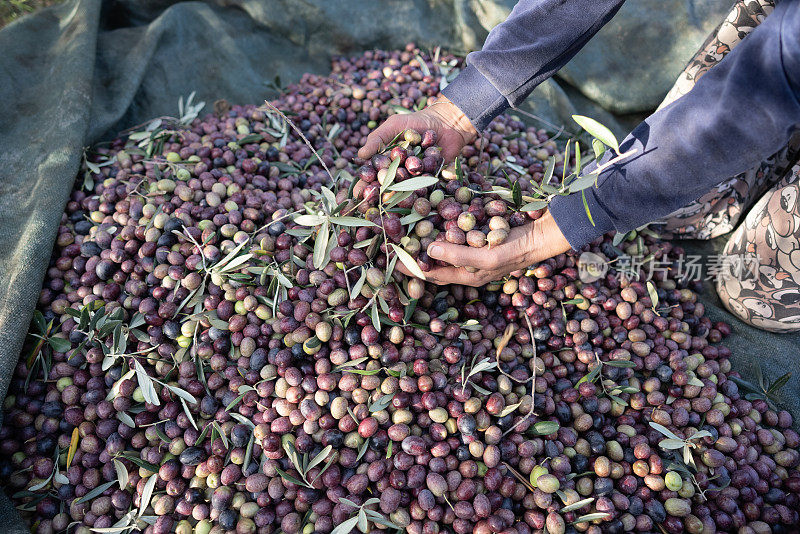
(586, 208)
(351, 221)
(545, 428)
(321, 244)
(73, 446)
(412, 184)
(664, 430)
(147, 493)
(96, 492)
(577, 505)
(592, 517)
(671, 444)
(509, 409)
(382, 403)
(346, 526)
(408, 261)
(534, 205)
(146, 384)
(122, 473)
(391, 173)
(597, 130)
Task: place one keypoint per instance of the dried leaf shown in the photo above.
(73, 446)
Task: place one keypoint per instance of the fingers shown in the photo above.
(452, 275)
(480, 258)
(380, 137)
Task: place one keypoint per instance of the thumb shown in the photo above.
(380, 136)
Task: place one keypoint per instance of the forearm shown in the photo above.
(537, 39)
(742, 111)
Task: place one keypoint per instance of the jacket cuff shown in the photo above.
(476, 97)
(569, 213)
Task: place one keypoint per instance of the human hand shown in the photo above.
(526, 245)
(453, 129)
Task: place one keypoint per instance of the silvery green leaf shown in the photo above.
(671, 444)
(96, 492)
(321, 244)
(319, 458)
(597, 130)
(330, 198)
(147, 493)
(363, 524)
(146, 384)
(348, 502)
(389, 271)
(664, 430)
(183, 394)
(548, 171)
(236, 262)
(413, 184)
(391, 173)
(356, 289)
(576, 505)
(188, 413)
(382, 403)
(127, 419)
(591, 517)
(376, 320)
(60, 478)
(409, 262)
(599, 148)
(346, 527)
(351, 363)
(41, 484)
(583, 182)
(362, 449)
(700, 434)
(397, 199)
(351, 221)
(411, 218)
(122, 473)
(534, 205)
(309, 220)
(508, 409)
(242, 419)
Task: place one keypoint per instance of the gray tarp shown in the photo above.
(72, 74)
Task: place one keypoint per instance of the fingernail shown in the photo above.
(435, 251)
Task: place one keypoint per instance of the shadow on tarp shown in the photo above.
(75, 73)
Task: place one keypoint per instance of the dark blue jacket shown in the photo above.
(738, 114)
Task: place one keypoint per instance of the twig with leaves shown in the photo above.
(363, 517)
(303, 465)
(673, 442)
(764, 390)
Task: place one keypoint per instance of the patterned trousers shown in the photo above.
(762, 201)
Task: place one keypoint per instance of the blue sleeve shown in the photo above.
(537, 39)
(739, 113)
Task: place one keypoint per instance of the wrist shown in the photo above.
(547, 239)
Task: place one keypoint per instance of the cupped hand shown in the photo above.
(526, 245)
(453, 129)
